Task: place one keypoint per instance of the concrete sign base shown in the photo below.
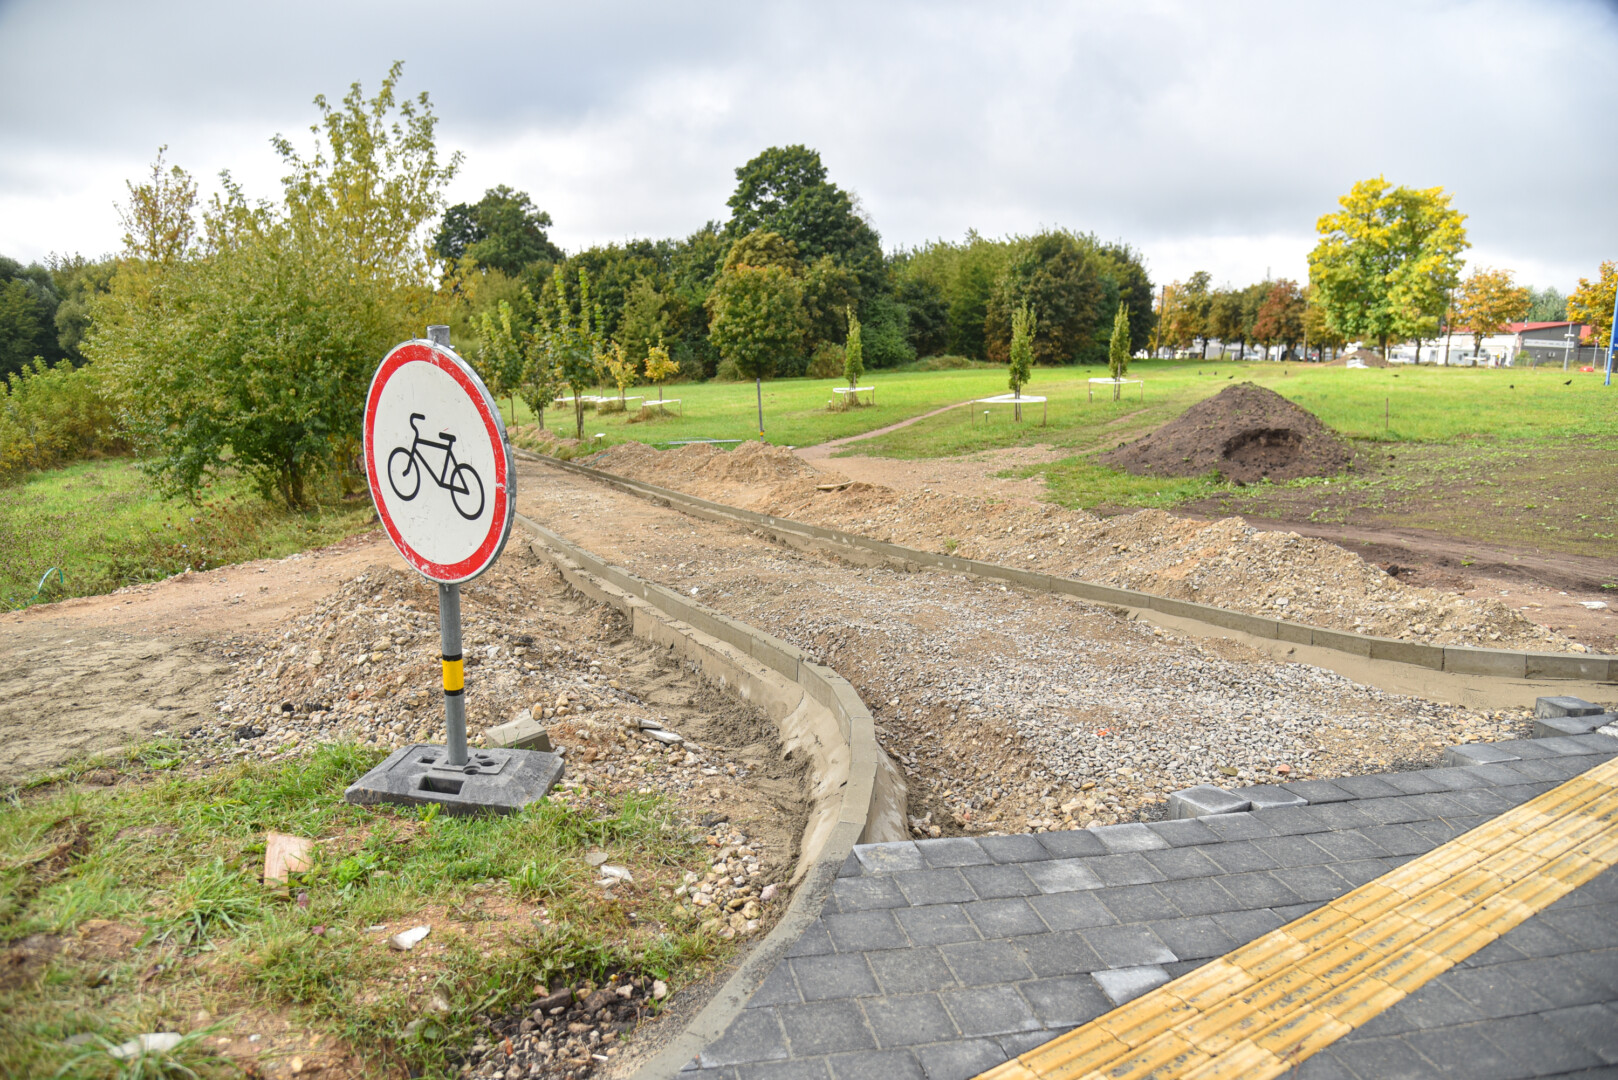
(495, 781)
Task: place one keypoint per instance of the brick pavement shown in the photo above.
(939, 959)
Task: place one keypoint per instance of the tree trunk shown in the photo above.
(578, 416)
(540, 416)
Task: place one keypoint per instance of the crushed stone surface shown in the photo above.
(1225, 563)
(1011, 710)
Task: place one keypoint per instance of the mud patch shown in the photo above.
(1244, 432)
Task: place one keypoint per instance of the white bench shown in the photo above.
(1118, 383)
(658, 403)
(856, 391)
(1011, 399)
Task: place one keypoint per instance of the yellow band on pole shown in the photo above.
(454, 676)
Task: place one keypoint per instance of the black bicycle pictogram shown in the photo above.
(405, 466)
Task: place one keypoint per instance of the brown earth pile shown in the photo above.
(750, 463)
(1245, 433)
(1225, 563)
(1370, 359)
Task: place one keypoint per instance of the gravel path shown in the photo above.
(1012, 710)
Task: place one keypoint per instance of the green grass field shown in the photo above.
(102, 526)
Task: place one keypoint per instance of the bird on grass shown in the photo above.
(1568, 383)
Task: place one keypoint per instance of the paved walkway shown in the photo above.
(944, 959)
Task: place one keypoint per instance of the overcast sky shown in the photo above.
(1210, 136)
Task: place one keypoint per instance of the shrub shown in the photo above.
(827, 363)
(727, 371)
(53, 415)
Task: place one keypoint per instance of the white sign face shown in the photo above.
(438, 464)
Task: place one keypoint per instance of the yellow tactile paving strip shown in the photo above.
(1275, 1001)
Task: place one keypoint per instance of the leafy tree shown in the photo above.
(1546, 305)
(621, 367)
(646, 321)
(1118, 349)
(1189, 304)
(660, 368)
(784, 190)
(1315, 326)
(853, 353)
(1020, 364)
(828, 291)
(78, 281)
(540, 380)
(27, 316)
(1279, 319)
(924, 300)
(755, 319)
(1124, 265)
(571, 338)
(1591, 302)
(1387, 260)
(504, 230)
(1054, 274)
(254, 348)
(884, 333)
(501, 356)
(1225, 320)
(1486, 301)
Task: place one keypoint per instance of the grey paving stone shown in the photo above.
(1180, 967)
(1434, 1006)
(1021, 1042)
(879, 1064)
(887, 858)
(1130, 868)
(992, 1010)
(1556, 979)
(1245, 926)
(1061, 875)
(1366, 787)
(1599, 967)
(994, 880)
(1392, 811)
(821, 978)
(1128, 946)
(1485, 801)
(1070, 1000)
(1297, 911)
(1072, 910)
(1549, 727)
(1538, 1047)
(776, 989)
(1064, 953)
(1498, 951)
(1071, 843)
(1553, 770)
(1321, 1066)
(1413, 783)
(1314, 883)
(1464, 1051)
(985, 963)
(1132, 836)
(936, 924)
(1344, 815)
(1183, 862)
(1270, 797)
(812, 942)
(865, 931)
(863, 893)
(1202, 896)
(1195, 938)
(1023, 847)
(1477, 754)
(1011, 917)
(959, 1060)
(1126, 984)
(1398, 839)
(1187, 833)
(852, 867)
(825, 1027)
(755, 1035)
(933, 887)
(909, 1019)
(952, 851)
(1342, 846)
(801, 1069)
(1138, 903)
(1437, 830)
(1240, 856)
(1541, 936)
(1293, 821)
(1358, 871)
(1495, 991)
(1565, 705)
(1203, 800)
(1433, 804)
(1594, 1027)
(1291, 851)
(1316, 792)
(1463, 778)
(911, 971)
(1526, 749)
(1564, 745)
(1255, 890)
(1248, 826)
(1388, 1058)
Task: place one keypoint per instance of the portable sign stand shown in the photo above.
(440, 470)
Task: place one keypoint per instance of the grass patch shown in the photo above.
(174, 860)
(103, 526)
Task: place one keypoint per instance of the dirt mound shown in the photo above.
(691, 467)
(1365, 356)
(1246, 433)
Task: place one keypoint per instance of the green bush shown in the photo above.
(827, 363)
(53, 415)
(727, 371)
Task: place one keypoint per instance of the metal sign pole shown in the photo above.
(449, 634)
(1612, 340)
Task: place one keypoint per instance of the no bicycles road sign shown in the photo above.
(438, 462)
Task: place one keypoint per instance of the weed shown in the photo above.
(211, 897)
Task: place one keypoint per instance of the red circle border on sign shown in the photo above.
(500, 523)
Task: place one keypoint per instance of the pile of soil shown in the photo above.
(1246, 433)
(1369, 358)
(701, 463)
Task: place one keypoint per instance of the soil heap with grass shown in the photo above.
(1245, 433)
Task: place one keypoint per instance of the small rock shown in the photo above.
(769, 892)
(595, 858)
(660, 990)
(666, 737)
(157, 1042)
(1283, 770)
(409, 939)
(617, 873)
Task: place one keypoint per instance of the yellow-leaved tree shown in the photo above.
(1591, 303)
(1487, 300)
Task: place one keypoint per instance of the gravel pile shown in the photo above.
(1225, 563)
